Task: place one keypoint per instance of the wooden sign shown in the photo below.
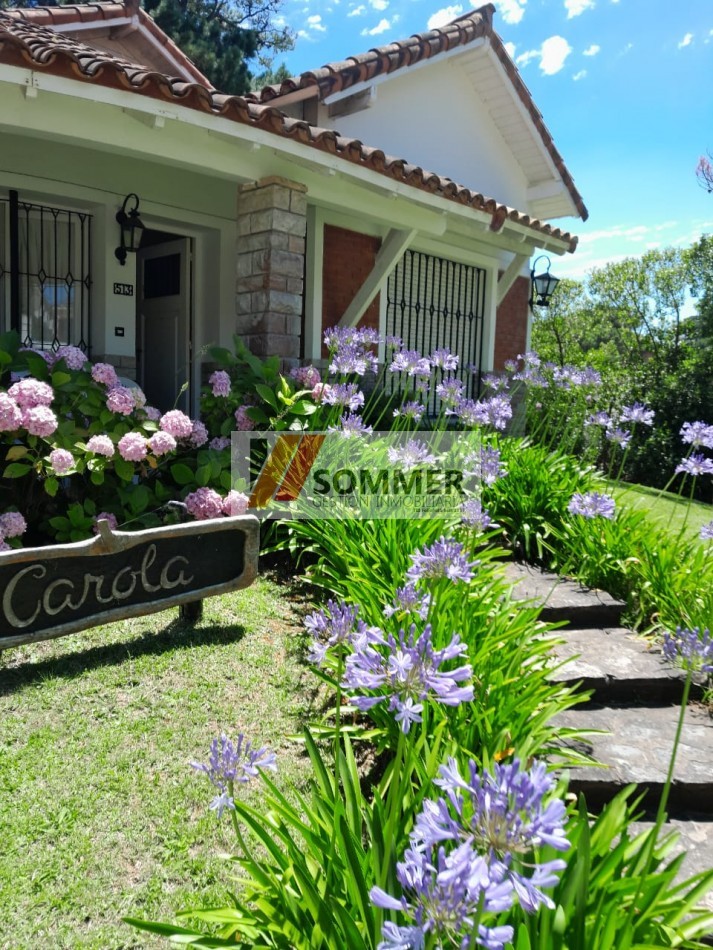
(49, 592)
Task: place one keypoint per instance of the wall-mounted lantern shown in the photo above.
(543, 285)
(132, 228)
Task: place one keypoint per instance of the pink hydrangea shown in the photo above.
(320, 390)
(199, 435)
(39, 420)
(121, 400)
(4, 546)
(31, 392)
(132, 447)
(105, 516)
(12, 524)
(243, 420)
(152, 413)
(177, 424)
(235, 503)
(10, 414)
(204, 503)
(161, 443)
(101, 445)
(220, 381)
(106, 374)
(72, 356)
(219, 443)
(306, 376)
(61, 461)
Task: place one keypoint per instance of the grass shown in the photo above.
(667, 510)
(100, 814)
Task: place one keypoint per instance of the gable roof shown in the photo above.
(380, 61)
(123, 30)
(27, 46)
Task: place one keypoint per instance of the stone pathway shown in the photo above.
(634, 701)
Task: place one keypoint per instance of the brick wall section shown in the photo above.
(348, 260)
(511, 323)
(272, 223)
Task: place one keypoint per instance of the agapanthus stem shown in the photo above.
(393, 806)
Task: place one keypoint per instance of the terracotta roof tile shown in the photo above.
(29, 46)
(336, 77)
(102, 14)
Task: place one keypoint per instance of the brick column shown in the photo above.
(272, 223)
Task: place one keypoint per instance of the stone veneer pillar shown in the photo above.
(272, 223)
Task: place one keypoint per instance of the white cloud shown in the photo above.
(512, 11)
(554, 52)
(524, 58)
(315, 23)
(592, 50)
(379, 4)
(381, 27)
(510, 49)
(580, 75)
(575, 7)
(443, 16)
(357, 11)
(686, 41)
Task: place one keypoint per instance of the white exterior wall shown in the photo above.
(433, 117)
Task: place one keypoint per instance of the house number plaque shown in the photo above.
(49, 592)
(124, 290)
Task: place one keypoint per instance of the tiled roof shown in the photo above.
(101, 15)
(25, 45)
(337, 77)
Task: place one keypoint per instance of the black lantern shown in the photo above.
(543, 285)
(132, 228)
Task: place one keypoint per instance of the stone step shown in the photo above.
(563, 600)
(636, 747)
(618, 666)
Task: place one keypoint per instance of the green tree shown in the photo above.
(222, 37)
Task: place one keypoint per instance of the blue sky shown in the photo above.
(623, 85)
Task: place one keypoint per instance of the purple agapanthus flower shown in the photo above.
(444, 558)
(505, 816)
(707, 532)
(352, 359)
(408, 600)
(600, 418)
(495, 411)
(592, 504)
(475, 516)
(689, 649)
(406, 672)
(232, 762)
(444, 359)
(697, 434)
(411, 455)
(351, 425)
(335, 625)
(450, 391)
(410, 362)
(620, 437)
(411, 410)
(347, 395)
(695, 465)
(496, 383)
(485, 465)
(638, 413)
(444, 893)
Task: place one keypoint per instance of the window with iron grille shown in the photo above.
(45, 274)
(433, 303)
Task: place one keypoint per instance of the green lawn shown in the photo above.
(669, 511)
(100, 814)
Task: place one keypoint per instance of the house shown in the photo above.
(328, 199)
